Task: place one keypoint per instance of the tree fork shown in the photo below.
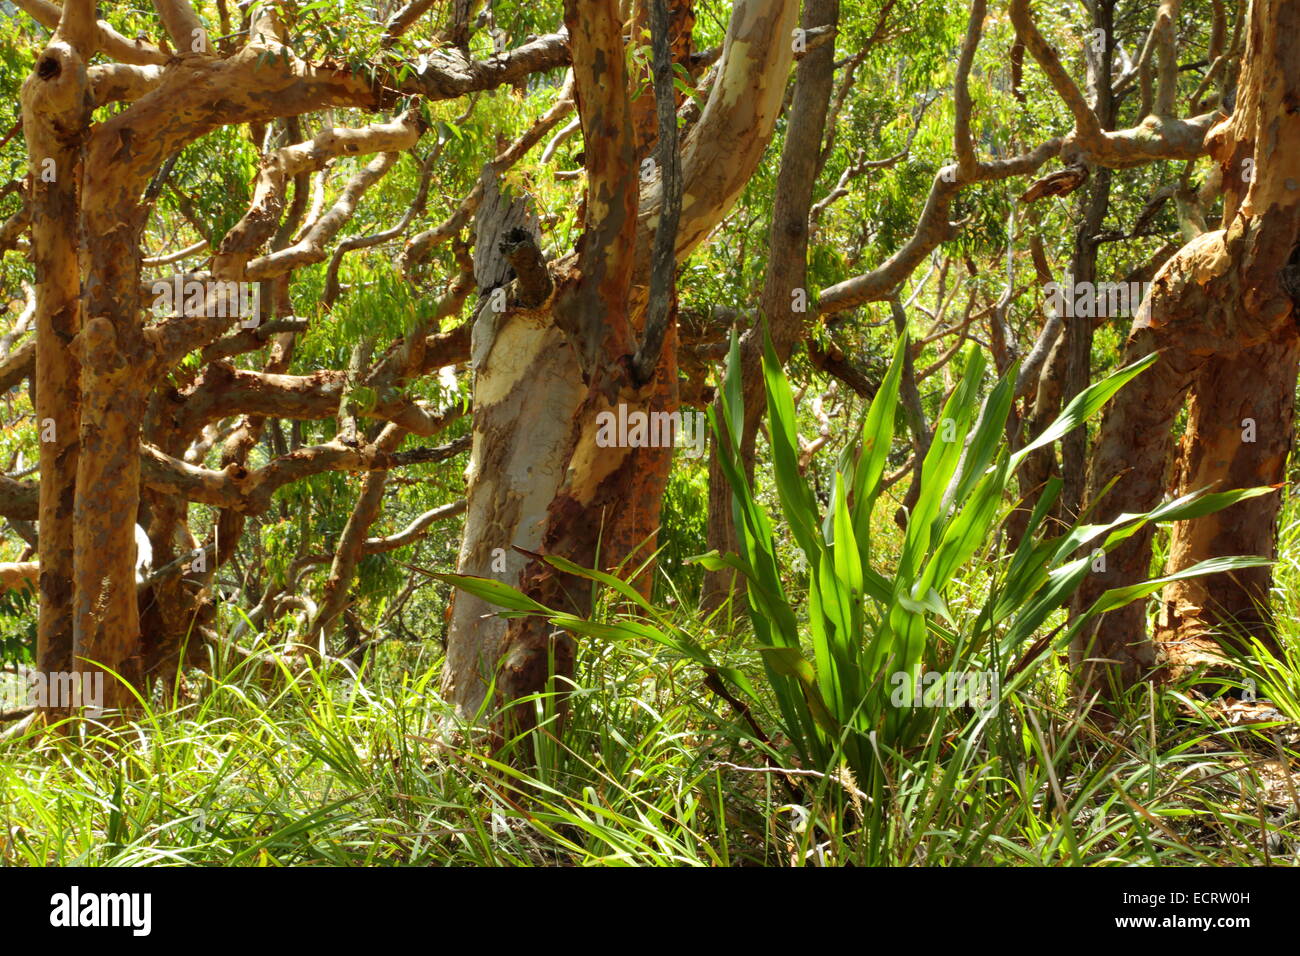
(1224, 294)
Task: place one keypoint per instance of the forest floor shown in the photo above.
(308, 766)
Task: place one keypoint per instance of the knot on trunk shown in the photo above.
(532, 278)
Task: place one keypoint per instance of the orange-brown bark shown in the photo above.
(56, 115)
(1240, 430)
(1226, 296)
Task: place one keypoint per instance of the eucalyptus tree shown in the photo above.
(1220, 312)
(558, 211)
(117, 406)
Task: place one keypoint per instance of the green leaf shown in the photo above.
(1084, 406)
(490, 590)
(788, 662)
(1118, 597)
(797, 500)
(873, 453)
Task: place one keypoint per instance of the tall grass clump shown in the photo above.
(875, 680)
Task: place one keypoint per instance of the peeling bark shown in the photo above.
(549, 372)
(56, 114)
(1240, 430)
(1225, 293)
(525, 396)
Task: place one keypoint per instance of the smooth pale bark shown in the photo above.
(591, 308)
(99, 34)
(18, 575)
(533, 409)
(722, 150)
(525, 396)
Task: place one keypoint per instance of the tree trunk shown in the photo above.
(1078, 338)
(1040, 466)
(1221, 296)
(106, 627)
(526, 392)
(538, 478)
(1093, 205)
(786, 303)
(1239, 434)
(117, 367)
(56, 114)
(1134, 445)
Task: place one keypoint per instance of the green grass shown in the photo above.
(680, 747)
(654, 770)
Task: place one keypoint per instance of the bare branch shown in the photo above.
(421, 245)
(352, 541)
(1159, 136)
(963, 141)
(402, 20)
(250, 492)
(311, 247)
(1085, 120)
(18, 499)
(416, 529)
(183, 26)
(933, 229)
(106, 40)
(257, 225)
(1166, 37)
(117, 82)
(17, 366)
(450, 73)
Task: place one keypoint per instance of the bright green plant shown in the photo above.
(841, 659)
(872, 631)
